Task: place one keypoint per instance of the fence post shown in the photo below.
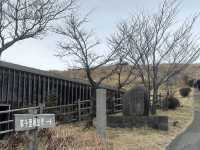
(9, 117)
(113, 102)
(33, 144)
(41, 107)
(79, 109)
(101, 113)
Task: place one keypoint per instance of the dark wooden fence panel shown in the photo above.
(21, 88)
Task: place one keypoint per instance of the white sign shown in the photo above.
(25, 122)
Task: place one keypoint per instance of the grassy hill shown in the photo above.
(192, 71)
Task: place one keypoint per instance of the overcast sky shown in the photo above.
(106, 14)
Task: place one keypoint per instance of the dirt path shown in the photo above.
(190, 138)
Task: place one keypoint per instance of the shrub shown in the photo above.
(191, 82)
(185, 92)
(172, 102)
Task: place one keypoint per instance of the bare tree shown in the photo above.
(81, 45)
(163, 46)
(126, 74)
(23, 19)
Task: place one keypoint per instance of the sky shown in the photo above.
(106, 14)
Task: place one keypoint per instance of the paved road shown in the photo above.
(190, 138)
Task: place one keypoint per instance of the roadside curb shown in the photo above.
(168, 147)
(179, 135)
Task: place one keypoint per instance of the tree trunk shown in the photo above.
(147, 103)
(155, 100)
(93, 97)
(155, 95)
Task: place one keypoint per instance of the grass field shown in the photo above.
(132, 139)
(73, 137)
(149, 139)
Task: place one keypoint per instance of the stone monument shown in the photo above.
(134, 101)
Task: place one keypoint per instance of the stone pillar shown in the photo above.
(101, 113)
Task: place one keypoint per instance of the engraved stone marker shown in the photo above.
(134, 101)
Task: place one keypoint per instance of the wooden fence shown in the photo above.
(27, 87)
(161, 102)
(79, 111)
(22, 88)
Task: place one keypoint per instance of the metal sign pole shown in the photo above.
(33, 144)
(32, 122)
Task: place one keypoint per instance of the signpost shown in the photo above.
(32, 122)
(24, 122)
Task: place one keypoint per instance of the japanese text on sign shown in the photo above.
(29, 121)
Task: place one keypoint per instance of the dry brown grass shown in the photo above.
(149, 139)
(130, 139)
(73, 137)
(193, 71)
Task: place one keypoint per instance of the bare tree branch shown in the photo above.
(81, 45)
(23, 19)
(158, 39)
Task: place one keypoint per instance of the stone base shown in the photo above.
(155, 122)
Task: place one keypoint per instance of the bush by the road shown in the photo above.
(185, 91)
(172, 102)
(191, 82)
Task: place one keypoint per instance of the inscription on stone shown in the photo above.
(134, 101)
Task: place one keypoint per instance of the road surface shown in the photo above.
(190, 138)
